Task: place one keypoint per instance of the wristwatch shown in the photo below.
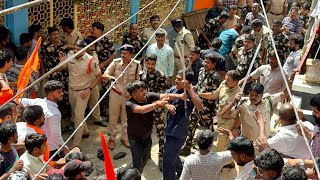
(301, 164)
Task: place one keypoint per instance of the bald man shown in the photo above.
(287, 140)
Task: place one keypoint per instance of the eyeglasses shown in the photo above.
(255, 171)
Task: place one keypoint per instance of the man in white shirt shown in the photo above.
(36, 146)
(205, 164)
(52, 123)
(242, 151)
(293, 60)
(165, 55)
(287, 141)
(269, 75)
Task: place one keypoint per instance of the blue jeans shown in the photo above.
(171, 160)
(140, 151)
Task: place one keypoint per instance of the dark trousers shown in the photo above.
(140, 151)
(171, 160)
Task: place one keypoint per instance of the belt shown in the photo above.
(275, 14)
(116, 91)
(80, 89)
(179, 56)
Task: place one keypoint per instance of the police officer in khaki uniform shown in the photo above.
(119, 94)
(276, 10)
(185, 40)
(81, 69)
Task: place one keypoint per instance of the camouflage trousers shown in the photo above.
(204, 118)
(159, 116)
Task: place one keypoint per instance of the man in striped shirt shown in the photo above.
(291, 24)
(14, 72)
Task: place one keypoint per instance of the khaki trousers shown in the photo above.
(93, 100)
(117, 108)
(223, 140)
(272, 17)
(78, 108)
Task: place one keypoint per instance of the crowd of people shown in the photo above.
(202, 81)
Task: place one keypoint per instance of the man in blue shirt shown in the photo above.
(177, 125)
(228, 37)
(196, 63)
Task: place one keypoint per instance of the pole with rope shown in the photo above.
(290, 94)
(108, 90)
(249, 70)
(181, 55)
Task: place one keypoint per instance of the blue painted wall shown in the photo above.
(135, 6)
(17, 22)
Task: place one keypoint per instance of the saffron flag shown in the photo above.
(31, 65)
(107, 159)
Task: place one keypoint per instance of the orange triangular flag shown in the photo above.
(107, 159)
(31, 65)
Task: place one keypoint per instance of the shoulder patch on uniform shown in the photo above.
(136, 61)
(95, 64)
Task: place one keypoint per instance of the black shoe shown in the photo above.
(101, 123)
(185, 151)
(86, 135)
(68, 128)
(160, 164)
(100, 154)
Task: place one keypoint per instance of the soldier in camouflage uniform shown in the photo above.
(106, 53)
(239, 41)
(211, 30)
(245, 57)
(246, 10)
(280, 40)
(209, 80)
(155, 81)
(304, 16)
(134, 39)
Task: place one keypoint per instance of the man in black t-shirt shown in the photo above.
(139, 110)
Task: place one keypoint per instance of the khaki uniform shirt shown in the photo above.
(247, 110)
(73, 37)
(226, 96)
(264, 34)
(79, 72)
(187, 37)
(231, 22)
(132, 73)
(147, 33)
(277, 6)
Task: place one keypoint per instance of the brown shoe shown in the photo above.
(111, 144)
(125, 143)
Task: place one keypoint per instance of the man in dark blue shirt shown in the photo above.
(215, 11)
(196, 63)
(177, 124)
